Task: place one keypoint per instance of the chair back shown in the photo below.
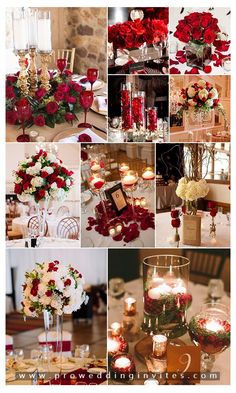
(68, 228)
(62, 211)
(9, 343)
(33, 224)
(68, 54)
(52, 340)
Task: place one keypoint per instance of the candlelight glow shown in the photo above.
(213, 326)
(122, 362)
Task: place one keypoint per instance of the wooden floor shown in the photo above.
(82, 333)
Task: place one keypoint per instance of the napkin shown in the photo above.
(82, 79)
(74, 138)
(102, 103)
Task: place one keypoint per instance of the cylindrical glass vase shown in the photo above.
(152, 119)
(138, 109)
(198, 55)
(126, 106)
(166, 296)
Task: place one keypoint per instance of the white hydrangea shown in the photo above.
(192, 190)
(54, 186)
(48, 169)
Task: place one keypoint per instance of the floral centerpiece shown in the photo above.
(42, 176)
(199, 98)
(199, 31)
(58, 105)
(190, 191)
(52, 287)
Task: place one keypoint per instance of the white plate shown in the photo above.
(96, 370)
(95, 108)
(122, 60)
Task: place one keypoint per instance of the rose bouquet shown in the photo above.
(42, 177)
(54, 288)
(198, 97)
(190, 191)
(58, 105)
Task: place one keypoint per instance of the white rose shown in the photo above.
(51, 157)
(48, 169)
(209, 103)
(214, 93)
(203, 94)
(181, 100)
(191, 92)
(202, 83)
(68, 182)
(191, 102)
(45, 300)
(54, 186)
(181, 191)
(37, 181)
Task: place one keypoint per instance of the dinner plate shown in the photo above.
(95, 108)
(96, 370)
(86, 196)
(74, 133)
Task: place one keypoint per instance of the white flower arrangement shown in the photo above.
(53, 287)
(191, 190)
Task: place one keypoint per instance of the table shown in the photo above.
(75, 363)
(20, 224)
(165, 232)
(46, 242)
(93, 239)
(199, 293)
(99, 121)
(166, 196)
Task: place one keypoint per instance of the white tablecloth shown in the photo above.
(47, 242)
(93, 239)
(21, 224)
(165, 232)
(199, 292)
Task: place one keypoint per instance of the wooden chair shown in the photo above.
(33, 224)
(68, 228)
(62, 211)
(68, 54)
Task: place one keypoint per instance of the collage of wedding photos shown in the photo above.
(117, 195)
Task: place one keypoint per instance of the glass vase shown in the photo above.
(42, 209)
(59, 339)
(198, 55)
(48, 322)
(126, 106)
(166, 296)
(138, 109)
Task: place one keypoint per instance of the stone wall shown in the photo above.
(86, 30)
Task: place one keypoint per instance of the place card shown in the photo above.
(117, 197)
(183, 364)
(191, 230)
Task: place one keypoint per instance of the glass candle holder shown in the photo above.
(44, 32)
(33, 27)
(116, 329)
(126, 106)
(166, 297)
(123, 167)
(122, 366)
(116, 344)
(97, 165)
(138, 109)
(152, 119)
(20, 29)
(159, 345)
(130, 306)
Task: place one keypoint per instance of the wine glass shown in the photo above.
(123, 167)
(129, 183)
(61, 65)
(86, 101)
(215, 290)
(92, 76)
(210, 329)
(96, 183)
(24, 114)
(148, 177)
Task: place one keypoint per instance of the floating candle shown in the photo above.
(112, 231)
(122, 362)
(156, 292)
(156, 281)
(116, 328)
(112, 346)
(118, 228)
(129, 180)
(123, 167)
(95, 167)
(179, 289)
(97, 182)
(213, 326)
(148, 174)
(130, 306)
(143, 202)
(159, 344)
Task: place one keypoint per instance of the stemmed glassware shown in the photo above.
(24, 113)
(92, 76)
(61, 65)
(210, 329)
(86, 101)
(215, 290)
(96, 183)
(129, 183)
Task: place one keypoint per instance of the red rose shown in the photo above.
(44, 174)
(11, 117)
(175, 223)
(209, 36)
(67, 282)
(213, 212)
(22, 102)
(59, 95)
(63, 87)
(48, 293)
(51, 282)
(40, 195)
(18, 188)
(174, 213)
(68, 73)
(40, 93)
(98, 184)
(39, 121)
(9, 92)
(60, 182)
(84, 138)
(197, 34)
(206, 20)
(51, 108)
(69, 116)
(34, 291)
(11, 78)
(26, 185)
(70, 99)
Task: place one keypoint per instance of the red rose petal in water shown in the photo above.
(173, 62)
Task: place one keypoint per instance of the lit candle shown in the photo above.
(44, 32)
(118, 228)
(20, 32)
(148, 174)
(213, 326)
(123, 167)
(143, 202)
(112, 231)
(137, 202)
(151, 382)
(33, 135)
(122, 362)
(95, 167)
(156, 292)
(112, 346)
(130, 306)
(116, 329)
(129, 180)
(156, 281)
(159, 344)
(179, 289)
